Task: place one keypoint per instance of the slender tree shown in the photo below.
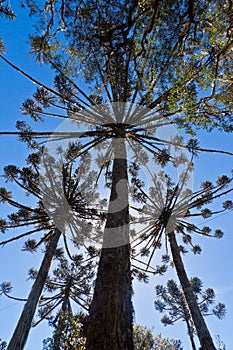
(21, 332)
(166, 216)
(69, 282)
(37, 220)
(171, 301)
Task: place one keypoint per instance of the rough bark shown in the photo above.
(198, 320)
(22, 329)
(110, 321)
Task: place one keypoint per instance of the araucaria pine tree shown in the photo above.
(35, 219)
(146, 64)
(171, 302)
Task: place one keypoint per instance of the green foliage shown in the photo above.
(171, 302)
(220, 344)
(4, 195)
(173, 56)
(77, 191)
(2, 47)
(6, 10)
(3, 345)
(145, 340)
(166, 206)
(69, 282)
(68, 336)
(5, 288)
(167, 344)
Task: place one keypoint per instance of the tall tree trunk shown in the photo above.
(110, 321)
(63, 312)
(22, 329)
(198, 320)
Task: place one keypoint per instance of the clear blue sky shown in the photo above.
(213, 266)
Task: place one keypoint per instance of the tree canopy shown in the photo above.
(171, 56)
(122, 69)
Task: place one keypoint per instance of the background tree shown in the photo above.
(70, 282)
(171, 301)
(36, 219)
(145, 340)
(165, 212)
(70, 337)
(221, 345)
(5, 12)
(3, 345)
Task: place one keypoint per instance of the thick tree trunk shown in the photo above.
(110, 322)
(21, 332)
(198, 320)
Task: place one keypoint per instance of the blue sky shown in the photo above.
(213, 266)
